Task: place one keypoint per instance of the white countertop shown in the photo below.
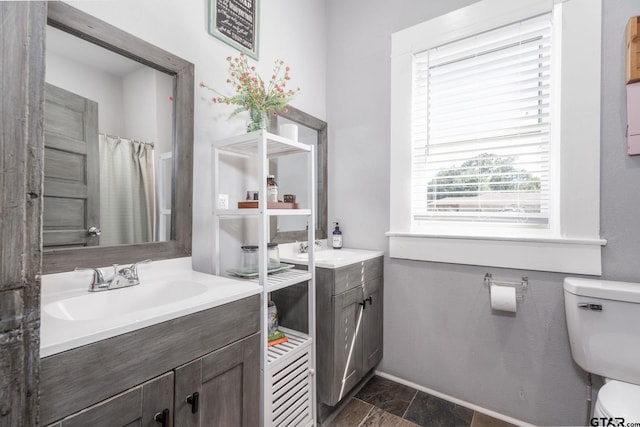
(326, 257)
(72, 317)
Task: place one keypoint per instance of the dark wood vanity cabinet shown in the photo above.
(354, 345)
(372, 325)
(131, 379)
(139, 406)
(348, 324)
(220, 389)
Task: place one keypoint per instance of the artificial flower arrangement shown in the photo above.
(260, 99)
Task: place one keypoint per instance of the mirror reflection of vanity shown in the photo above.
(118, 116)
(287, 170)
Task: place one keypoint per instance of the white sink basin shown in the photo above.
(322, 255)
(72, 316)
(117, 302)
(327, 257)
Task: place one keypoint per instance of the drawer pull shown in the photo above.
(363, 304)
(193, 400)
(162, 417)
(370, 300)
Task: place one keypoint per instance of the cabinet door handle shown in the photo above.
(370, 300)
(363, 304)
(162, 417)
(193, 400)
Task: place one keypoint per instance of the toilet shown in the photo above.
(603, 320)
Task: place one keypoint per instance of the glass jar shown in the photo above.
(249, 259)
(272, 189)
(273, 256)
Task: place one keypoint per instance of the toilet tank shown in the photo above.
(603, 320)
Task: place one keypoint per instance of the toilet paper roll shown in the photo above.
(289, 130)
(503, 298)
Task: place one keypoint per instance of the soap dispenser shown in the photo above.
(337, 237)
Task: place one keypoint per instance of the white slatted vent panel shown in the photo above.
(285, 278)
(291, 394)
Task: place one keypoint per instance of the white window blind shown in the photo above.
(481, 127)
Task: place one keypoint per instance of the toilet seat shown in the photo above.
(617, 399)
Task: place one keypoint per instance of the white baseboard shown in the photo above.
(454, 400)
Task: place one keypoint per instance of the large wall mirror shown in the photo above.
(118, 146)
(312, 131)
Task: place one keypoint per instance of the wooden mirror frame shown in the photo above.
(320, 126)
(87, 27)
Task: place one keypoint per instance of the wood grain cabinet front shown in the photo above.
(349, 324)
(146, 406)
(372, 324)
(357, 340)
(129, 379)
(222, 388)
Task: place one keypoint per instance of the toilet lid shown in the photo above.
(620, 400)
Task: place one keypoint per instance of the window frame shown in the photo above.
(572, 243)
(438, 156)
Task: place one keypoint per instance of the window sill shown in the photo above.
(562, 255)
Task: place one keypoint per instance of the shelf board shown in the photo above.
(257, 211)
(236, 212)
(288, 212)
(284, 278)
(247, 145)
(281, 353)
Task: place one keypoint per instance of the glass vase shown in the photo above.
(258, 120)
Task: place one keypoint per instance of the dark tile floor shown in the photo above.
(382, 402)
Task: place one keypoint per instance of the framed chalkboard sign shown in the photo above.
(235, 22)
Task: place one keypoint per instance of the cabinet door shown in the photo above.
(135, 407)
(228, 385)
(372, 325)
(347, 350)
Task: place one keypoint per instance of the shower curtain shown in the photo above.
(127, 203)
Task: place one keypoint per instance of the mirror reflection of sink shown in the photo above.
(106, 304)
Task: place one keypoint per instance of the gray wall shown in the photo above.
(439, 330)
(620, 173)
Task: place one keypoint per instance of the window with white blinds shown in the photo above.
(481, 127)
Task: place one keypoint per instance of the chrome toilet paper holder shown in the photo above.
(520, 286)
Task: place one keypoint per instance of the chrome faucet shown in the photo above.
(304, 247)
(122, 277)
